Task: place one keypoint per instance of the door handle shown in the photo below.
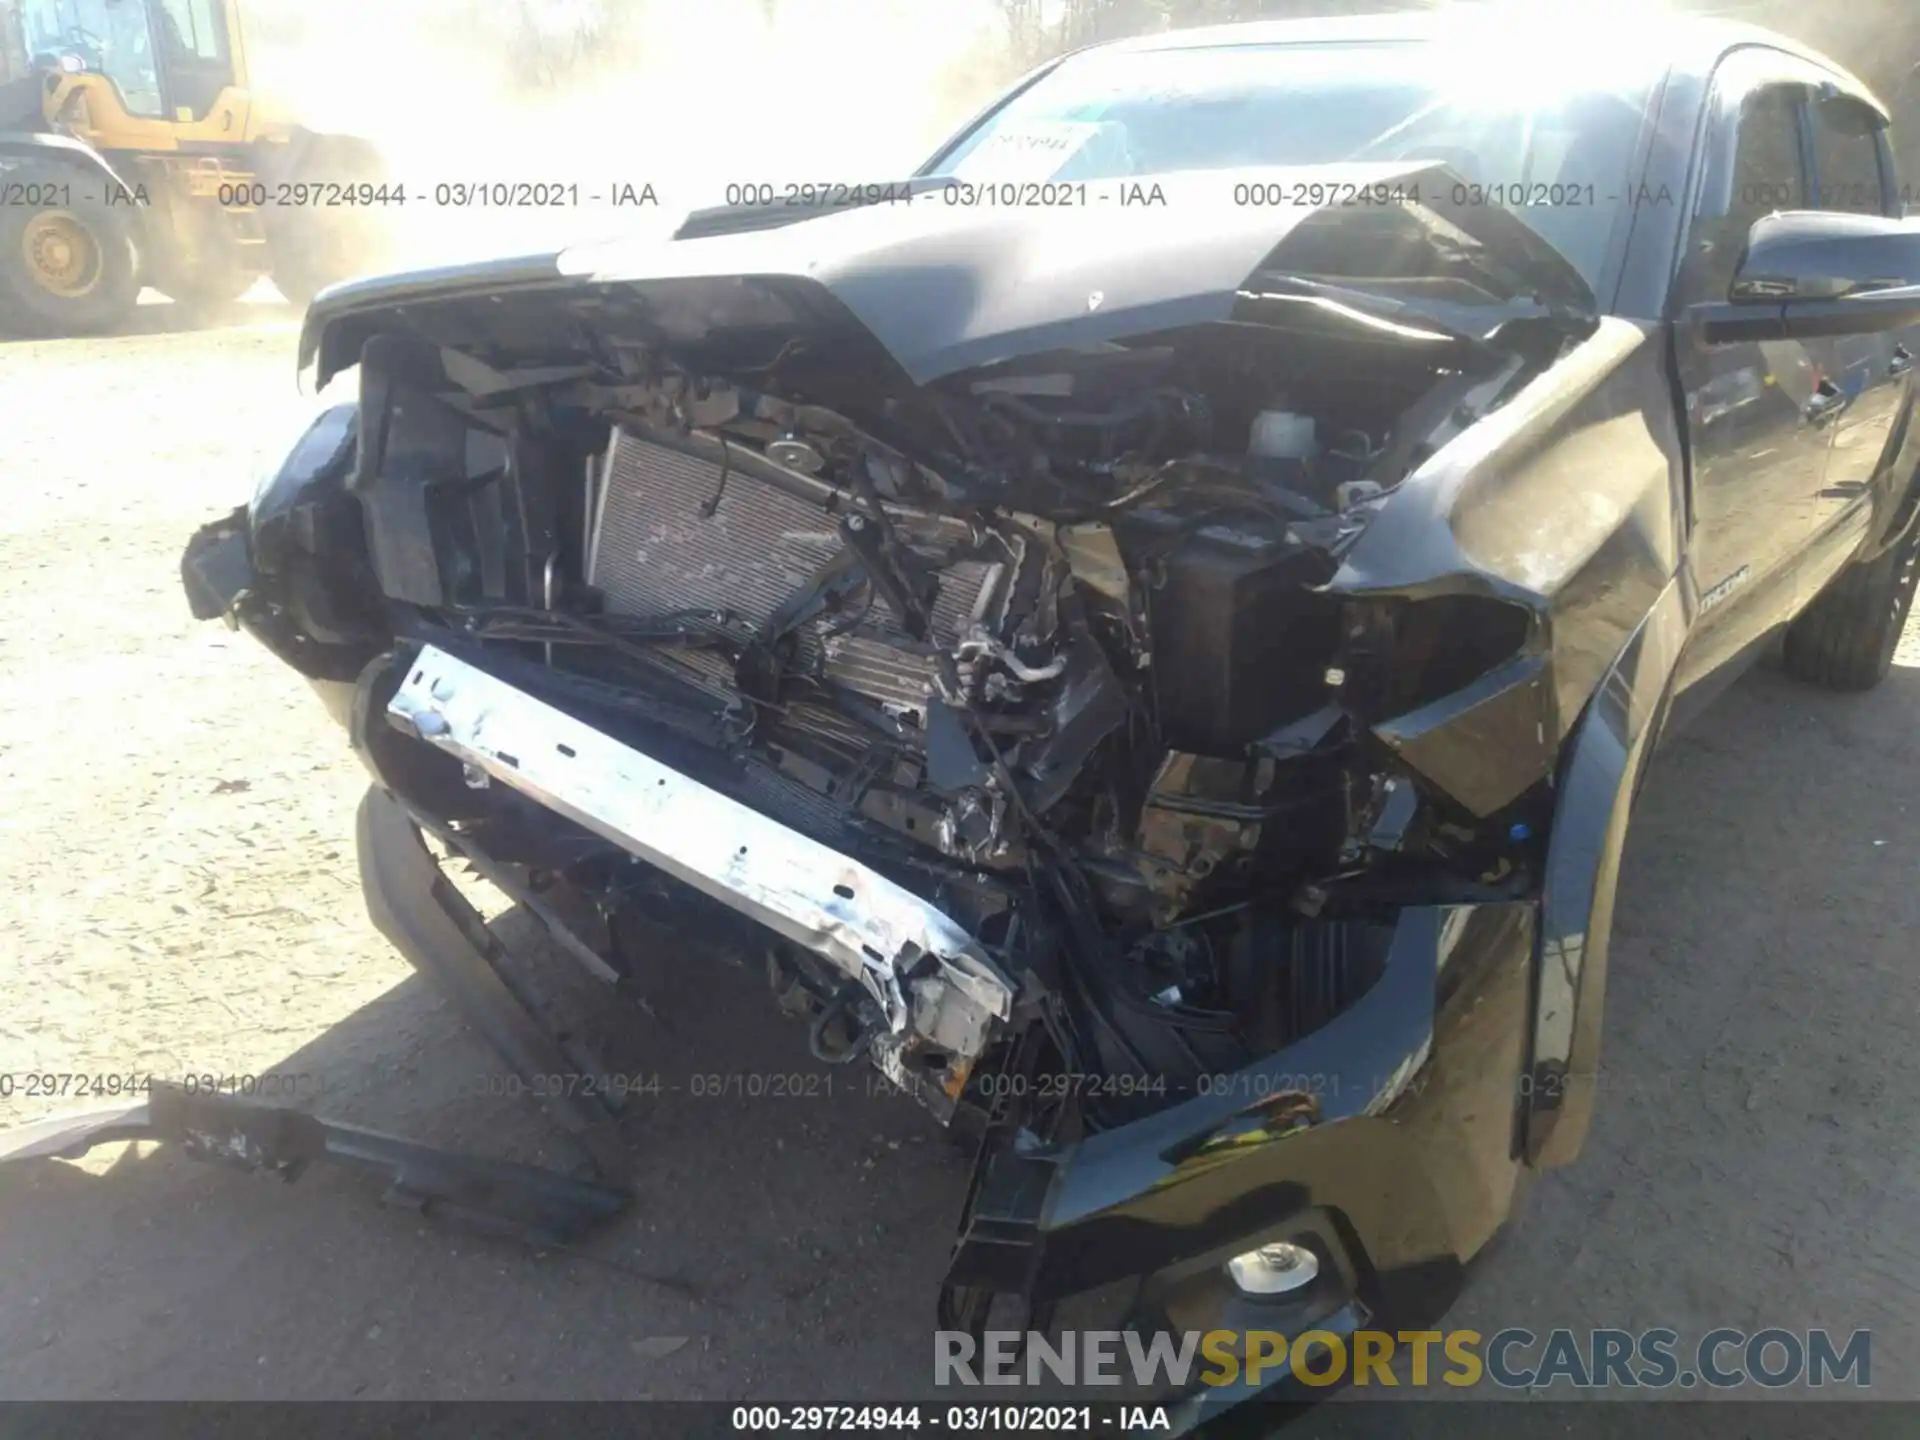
(1828, 401)
(1901, 362)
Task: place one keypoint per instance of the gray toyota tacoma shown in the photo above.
(1151, 627)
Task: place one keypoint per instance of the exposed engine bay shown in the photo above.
(1046, 651)
(1163, 685)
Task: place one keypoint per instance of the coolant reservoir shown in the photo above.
(1282, 435)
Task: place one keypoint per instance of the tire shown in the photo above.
(297, 276)
(1846, 638)
(314, 247)
(210, 284)
(208, 288)
(66, 270)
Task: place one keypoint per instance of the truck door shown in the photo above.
(1874, 372)
(1757, 413)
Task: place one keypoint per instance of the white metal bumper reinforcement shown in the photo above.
(939, 992)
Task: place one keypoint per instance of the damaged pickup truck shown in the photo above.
(1156, 622)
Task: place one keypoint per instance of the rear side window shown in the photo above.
(1846, 158)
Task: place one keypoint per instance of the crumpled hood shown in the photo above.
(945, 286)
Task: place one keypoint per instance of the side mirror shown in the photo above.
(1809, 273)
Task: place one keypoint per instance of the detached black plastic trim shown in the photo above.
(443, 937)
(499, 1196)
(216, 568)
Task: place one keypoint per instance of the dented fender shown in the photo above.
(1566, 501)
(1596, 787)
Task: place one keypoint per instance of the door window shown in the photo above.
(193, 53)
(105, 38)
(1768, 175)
(192, 30)
(1846, 158)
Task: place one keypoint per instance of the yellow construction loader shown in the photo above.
(133, 152)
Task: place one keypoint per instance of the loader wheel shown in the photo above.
(314, 247)
(68, 270)
(1846, 638)
(299, 275)
(206, 288)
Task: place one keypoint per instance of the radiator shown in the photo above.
(679, 526)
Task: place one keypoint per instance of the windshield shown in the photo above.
(108, 37)
(1559, 160)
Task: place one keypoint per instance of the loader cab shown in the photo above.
(195, 45)
(147, 104)
(140, 74)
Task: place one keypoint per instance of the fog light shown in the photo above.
(1276, 1269)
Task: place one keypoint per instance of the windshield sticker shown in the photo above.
(1035, 150)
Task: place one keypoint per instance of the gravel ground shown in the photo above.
(177, 865)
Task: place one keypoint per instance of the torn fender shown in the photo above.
(1566, 501)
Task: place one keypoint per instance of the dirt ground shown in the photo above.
(176, 861)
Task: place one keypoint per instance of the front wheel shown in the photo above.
(66, 270)
(1846, 638)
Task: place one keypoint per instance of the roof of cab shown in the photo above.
(1678, 44)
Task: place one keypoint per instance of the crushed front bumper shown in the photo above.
(938, 993)
(1387, 1141)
